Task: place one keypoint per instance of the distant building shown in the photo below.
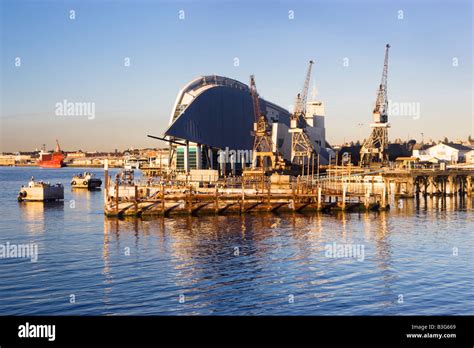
(81, 162)
(315, 118)
(77, 154)
(447, 152)
(147, 158)
(96, 161)
(7, 160)
(469, 157)
(16, 159)
(406, 162)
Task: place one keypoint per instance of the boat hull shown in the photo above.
(46, 193)
(51, 164)
(90, 184)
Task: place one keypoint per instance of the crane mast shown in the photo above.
(374, 149)
(301, 145)
(262, 133)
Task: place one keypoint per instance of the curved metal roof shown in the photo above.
(217, 111)
(195, 87)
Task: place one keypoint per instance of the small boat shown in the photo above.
(86, 180)
(40, 191)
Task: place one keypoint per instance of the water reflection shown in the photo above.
(84, 198)
(250, 263)
(34, 214)
(238, 265)
(441, 203)
(108, 278)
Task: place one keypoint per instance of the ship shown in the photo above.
(52, 160)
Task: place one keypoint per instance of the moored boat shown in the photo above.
(41, 191)
(52, 160)
(86, 180)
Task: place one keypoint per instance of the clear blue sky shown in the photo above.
(82, 60)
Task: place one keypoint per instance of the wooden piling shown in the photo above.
(452, 185)
(106, 182)
(384, 195)
(135, 201)
(269, 196)
(116, 195)
(242, 201)
(162, 199)
(190, 200)
(319, 199)
(367, 199)
(343, 196)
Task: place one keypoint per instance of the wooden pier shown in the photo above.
(430, 182)
(340, 188)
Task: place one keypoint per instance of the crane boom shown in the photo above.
(300, 104)
(381, 103)
(255, 98)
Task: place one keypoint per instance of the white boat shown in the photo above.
(41, 191)
(86, 180)
(131, 163)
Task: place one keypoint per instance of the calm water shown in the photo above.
(232, 265)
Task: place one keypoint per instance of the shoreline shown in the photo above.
(67, 166)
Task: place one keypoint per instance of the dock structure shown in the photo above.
(341, 188)
(429, 182)
(346, 188)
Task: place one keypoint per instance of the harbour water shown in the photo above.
(412, 260)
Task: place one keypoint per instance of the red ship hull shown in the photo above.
(51, 164)
(54, 160)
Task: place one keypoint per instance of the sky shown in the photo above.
(128, 60)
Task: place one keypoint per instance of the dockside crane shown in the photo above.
(301, 145)
(374, 149)
(262, 134)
